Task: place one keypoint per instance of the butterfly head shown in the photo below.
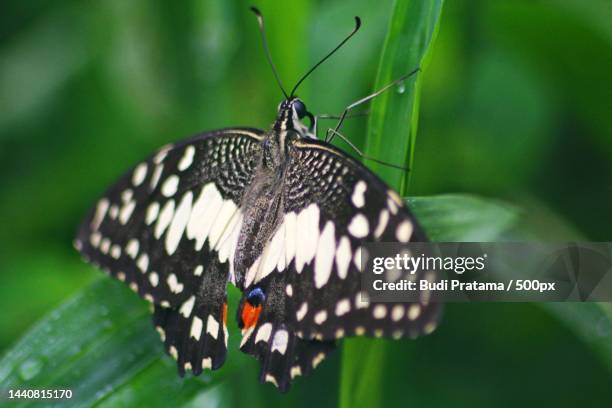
(291, 114)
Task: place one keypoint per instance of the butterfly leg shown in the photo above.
(363, 156)
(336, 117)
(330, 135)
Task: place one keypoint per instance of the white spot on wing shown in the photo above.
(132, 248)
(196, 328)
(161, 153)
(140, 172)
(207, 363)
(357, 259)
(212, 327)
(263, 334)
(179, 222)
(187, 158)
(317, 360)
(162, 333)
(174, 284)
(358, 227)
(395, 197)
(246, 335)
(429, 328)
(252, 272)
(295, 371)
(156, 175)
(95, 239)
(115, 251)
(325, 255)
(154, 279)
(279, 343)
(342, 307)
(170, 185)
(343, 257)
(404, 231)
(358, 196)
(164, 219)
(383, 218)
(414, 311)
(301, 311)
(308, 224)
(127, 195)
(113, 211)
(173, 352)
(105, 245)
(320, 317)
(290, 236)
(362, 300)
(222, 220)
(143, 262)
(229, 241)
(152, 212)
(397, 312)
(272, 252)
(101, 209)
(126, 211)
(187, 306)
(203, 214)
(392, 206)
(270, 378)
(379, 312)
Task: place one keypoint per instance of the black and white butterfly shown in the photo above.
(279, 214)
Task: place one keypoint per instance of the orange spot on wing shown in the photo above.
(225, 313)
(250, 315)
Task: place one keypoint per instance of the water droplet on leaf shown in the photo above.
(30, 368)
(401, 87)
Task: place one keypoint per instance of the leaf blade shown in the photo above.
(414, 24)
(96, 342)
(412, 31)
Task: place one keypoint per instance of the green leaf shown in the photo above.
(591, 322)
(394, 114)
(95, 344)
(462, 217)
(391, 135)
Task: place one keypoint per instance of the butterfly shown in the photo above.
(279, 214)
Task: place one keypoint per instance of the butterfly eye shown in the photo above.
(256, 297)
(300, 108)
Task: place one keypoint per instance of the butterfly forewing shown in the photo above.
(168, 229)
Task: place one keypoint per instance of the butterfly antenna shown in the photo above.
(262, 30)
(357, 26)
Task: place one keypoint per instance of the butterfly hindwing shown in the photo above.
(195, 334)
(168, 228)
(309, 270)
(268, 334)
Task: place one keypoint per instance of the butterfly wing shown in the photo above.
(168, 228)
(311, 266)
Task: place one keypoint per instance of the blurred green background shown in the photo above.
(516, 104)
